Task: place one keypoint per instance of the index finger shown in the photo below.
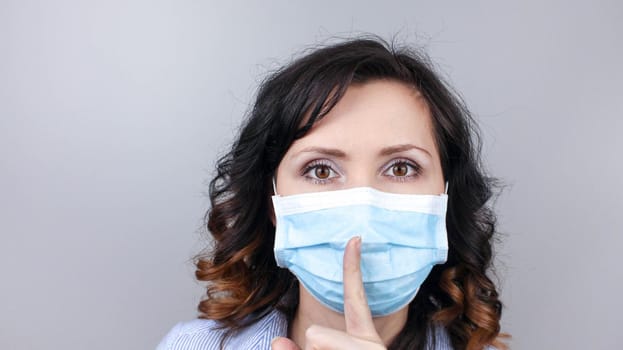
(356, 311)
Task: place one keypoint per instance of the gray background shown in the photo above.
(112, 114)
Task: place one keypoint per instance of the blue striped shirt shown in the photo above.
(201, 334)
(205, 335)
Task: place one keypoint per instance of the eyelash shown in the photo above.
(416, 169)
(321, 162)
(312, 166)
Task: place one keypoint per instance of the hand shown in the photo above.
(360, 332)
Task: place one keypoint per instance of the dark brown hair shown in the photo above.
(243, 281)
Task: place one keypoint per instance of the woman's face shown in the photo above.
(379, 135)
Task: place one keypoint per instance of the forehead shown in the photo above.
(371, 116)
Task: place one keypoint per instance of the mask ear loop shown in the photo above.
(274, 187)
(445, 191)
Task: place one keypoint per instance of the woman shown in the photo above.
(351, 213)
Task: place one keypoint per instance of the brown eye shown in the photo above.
(322, 172)
(400, 169)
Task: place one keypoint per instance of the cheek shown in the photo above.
(437, 181)
(284, 179)
(278, 179)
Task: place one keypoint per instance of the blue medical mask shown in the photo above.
(402, 237)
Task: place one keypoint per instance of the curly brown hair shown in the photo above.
(243, 280)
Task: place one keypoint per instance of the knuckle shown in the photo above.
(313, 332)
(356, 296)
(351, 266)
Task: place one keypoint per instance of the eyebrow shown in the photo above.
(334, 152)
(401, 148)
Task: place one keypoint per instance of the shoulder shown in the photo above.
(439, 339)
(442, 340)
(207, 334)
